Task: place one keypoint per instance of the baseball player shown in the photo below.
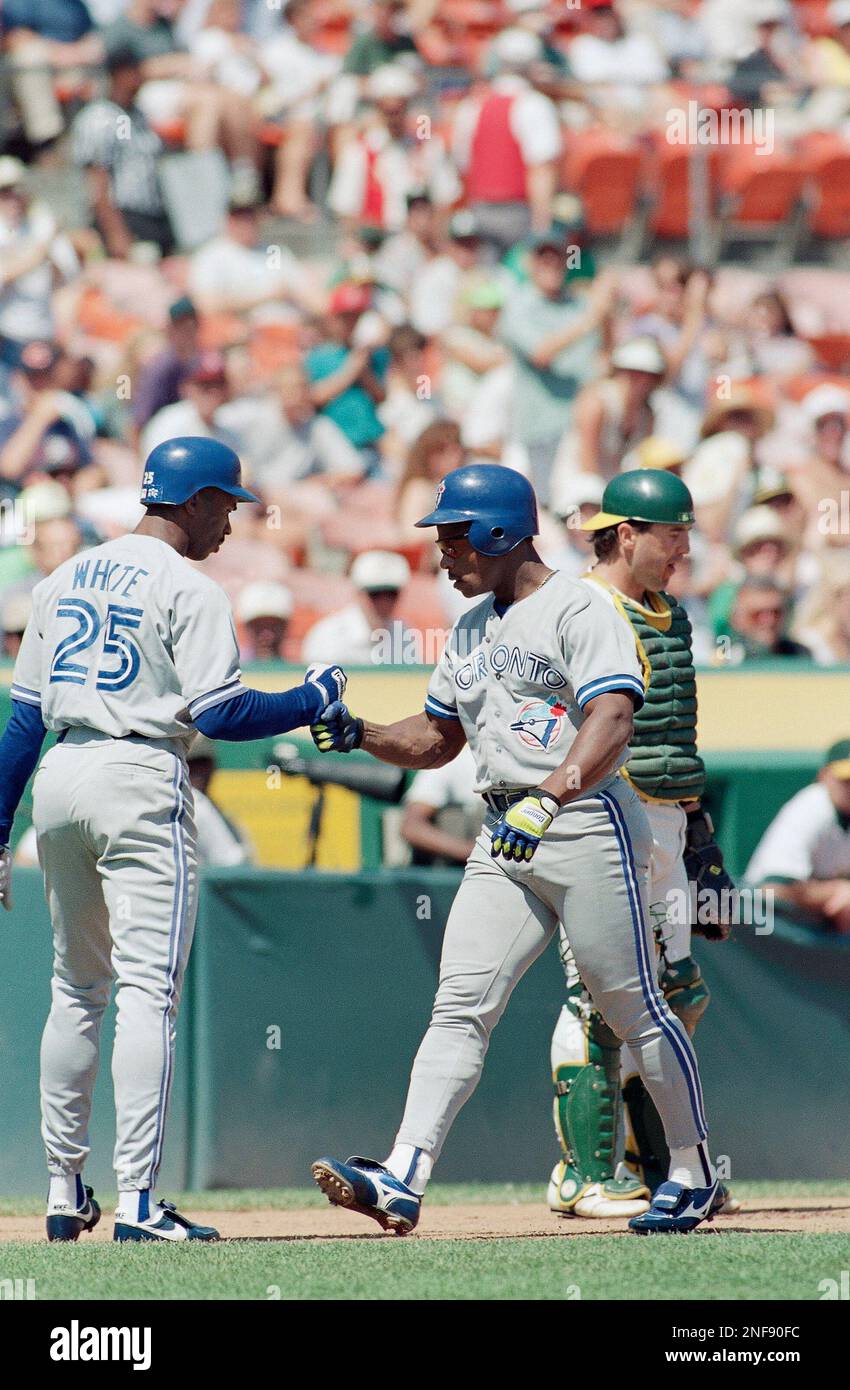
(541, 678)
(128, 652)
(640, 534)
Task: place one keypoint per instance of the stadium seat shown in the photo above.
(826, 160)
(666, 188)
(603, 168)
(352, 534)
(760, 197)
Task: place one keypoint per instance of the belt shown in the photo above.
(81, 736)
(500, 801)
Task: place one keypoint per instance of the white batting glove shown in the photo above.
(6, 878)
(331, 680)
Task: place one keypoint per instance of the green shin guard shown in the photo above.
(586, 1111)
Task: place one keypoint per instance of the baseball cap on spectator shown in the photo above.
(264, 599)
(770, 12)
(464, 226)
(741, 398)
(825, 400)
(555, 237)
(838, 13)
(349, 298)
(208, 367)
(639, 355)
(122, 56)
(182, 308)
(656, 452)
(484, 294)
(391, 82)
(61, 450)
(377, 571)
(45, 501)
(574, 491)
(15, 613)
(12, 171)
(38, 358)
(516, 48)
(837, 759)
(759, 524)
(770, 485)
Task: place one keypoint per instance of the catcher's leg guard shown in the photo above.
(647, 1154)
(585, 1072)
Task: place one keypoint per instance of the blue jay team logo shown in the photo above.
(441, 487)
(539, 722)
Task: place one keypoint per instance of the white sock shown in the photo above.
(66, 1190)
(135, 1203)
(411, 1166)
(691, 1167)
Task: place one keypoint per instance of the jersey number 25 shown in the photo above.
(116, 644)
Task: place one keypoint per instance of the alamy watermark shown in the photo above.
(702, 125)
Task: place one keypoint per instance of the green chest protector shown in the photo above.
(664, 764)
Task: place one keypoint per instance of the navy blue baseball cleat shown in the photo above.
(68, 1223)
(361, 1184)
(164, 1223)
(676, 1209)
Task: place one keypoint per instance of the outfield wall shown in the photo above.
(306, 998)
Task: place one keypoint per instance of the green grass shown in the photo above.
(713, 1265)
(731, 1266)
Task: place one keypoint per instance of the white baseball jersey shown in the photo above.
(806, 840)
(128, 638)
(518, 682)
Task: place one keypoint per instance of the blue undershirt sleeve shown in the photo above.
(20, 748)
(258, 714)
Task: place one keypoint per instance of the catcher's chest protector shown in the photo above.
(665, 764)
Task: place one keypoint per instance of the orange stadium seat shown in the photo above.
(826, 159)
(760, 196)
(667, 189)
(604, 170)
(420, 605)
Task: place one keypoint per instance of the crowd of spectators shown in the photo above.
(395, 280)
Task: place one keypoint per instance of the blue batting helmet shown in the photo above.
(498, 502)
(178, 468)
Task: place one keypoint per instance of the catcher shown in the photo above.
(640, 535)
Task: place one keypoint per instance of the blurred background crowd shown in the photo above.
(368, 243)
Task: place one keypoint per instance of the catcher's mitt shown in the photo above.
(704, 867)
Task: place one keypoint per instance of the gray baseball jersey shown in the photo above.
(126, 645)
(518, 681)
(128, 638)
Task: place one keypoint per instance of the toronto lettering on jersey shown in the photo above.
(527, 665)
(108, 576)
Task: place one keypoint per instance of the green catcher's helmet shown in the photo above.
(644, 494)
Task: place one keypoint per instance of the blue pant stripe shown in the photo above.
(411, 1172)
(681, 1048)
(178, 917)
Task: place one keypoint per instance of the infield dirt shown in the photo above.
(792, 1215)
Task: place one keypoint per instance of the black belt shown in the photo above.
(500, 801)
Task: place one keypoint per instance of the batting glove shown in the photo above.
(522, 827)
(337, 730)
(6, 878)
(331, 680)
